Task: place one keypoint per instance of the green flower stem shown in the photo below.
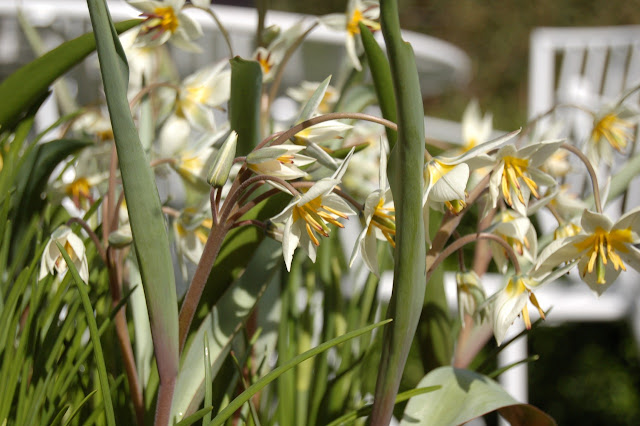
(222, 29)
(462, 241)
(284, 136)
(254, 202)
(592, 173)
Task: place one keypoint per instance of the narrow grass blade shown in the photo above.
(260, 384)
(95, 337)
(244, 104)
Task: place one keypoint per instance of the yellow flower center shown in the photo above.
(615, 130)
(517, 287)
(265, 61)
(316, 215)
(198, 94)
(602, 247)
(168, 18)
(384, 218)
(79, 188)
(514, 170)
(60, 262)
(356, 18)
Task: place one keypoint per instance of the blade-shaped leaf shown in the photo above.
(405, 177)
(314, 101)
(143, 204)
(464, 396)
(260, 384)
(24, 87)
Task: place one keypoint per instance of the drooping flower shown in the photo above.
(270, 57)
(470, 293)
(602, 249)
(519, 233)
(164, 22)
(308, 216)
(379, 221)
(612, 130)
(282, 161)
(52, 260)
(511, 301)
(306, 89)
(446, 178)
(518, 175)
(358, 11)
(202, 91)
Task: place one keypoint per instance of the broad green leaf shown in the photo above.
(264, 381)
(464, 396)
(143, 204)
(244, 104)
(361, 412)
(405, 176)
(381, 74)
(222, 324)
(24, 87)
(95, 337)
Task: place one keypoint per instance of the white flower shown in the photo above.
(379, 222)
(270, 57)
(52, 260)
(518, 175)
(308, 216)
(519, 233)
(282, 161)
(601, 249)
(475, 128)
(306, 89)
(470, 293)
(164, 22)
(200, 92)
(192, 230)
(358, 11)
(446, 178)
(510, 302)
(612, 129)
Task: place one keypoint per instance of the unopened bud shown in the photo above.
(221, 167)
(121, 237)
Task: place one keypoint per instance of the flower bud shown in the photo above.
(219, 172)
(121, 237)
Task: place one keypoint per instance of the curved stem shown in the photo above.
(233, 197)
(273, 90)
(327, 117)
(159, 161)
(92, 235)
(149, 88)
(258, 223)
(550, 111)
(222, 29)
(462, 241)
(252, 203)
(592, 173)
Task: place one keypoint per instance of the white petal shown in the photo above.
(591, 221)
(452, 185)
(506, 310)
(591, 279)
(290, 239)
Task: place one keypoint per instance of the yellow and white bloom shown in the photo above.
(202, 91)
(282, 161)
(379, 221)
(191, 230)
(476, 129)
(303, 93)
(446, 178)
(518, 175)
(511, 301)
(164, 22)
(358, 11)
(52, 260)
(602, 249)
(519, 233)
(613, 129)
(308, 216)
(270, 57)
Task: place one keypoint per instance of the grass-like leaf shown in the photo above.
(269, 377)
(95, 337)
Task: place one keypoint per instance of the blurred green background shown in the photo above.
(588, 374)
